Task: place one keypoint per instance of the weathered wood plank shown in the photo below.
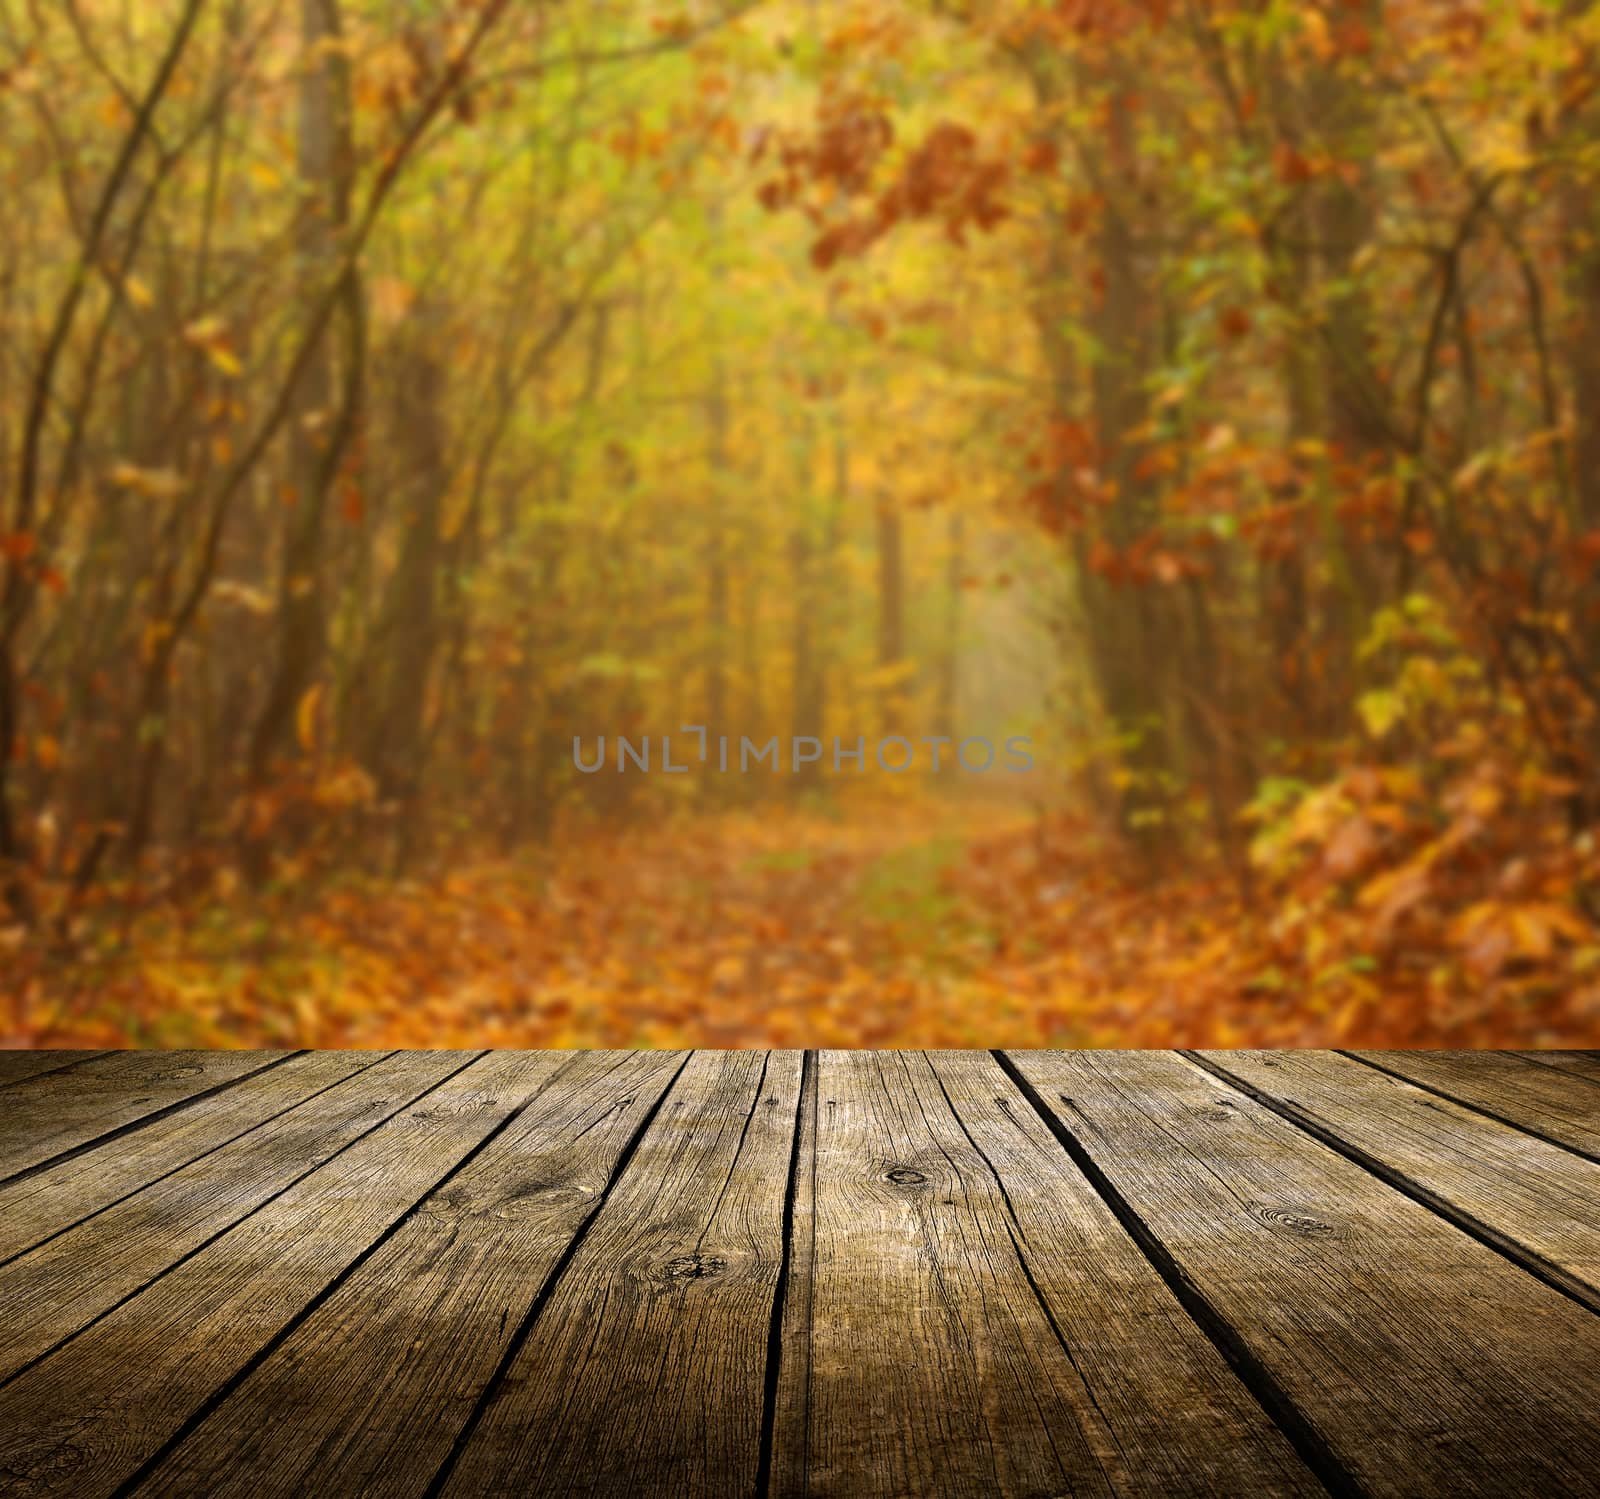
(250, 1287)
(1522, 1191)
(17, 1066)
(1544, 1100)
(50, 1113)
(46, 1202)
(55, 1289)
(1424, 1361)
(87, 1418)
(643, 1372)
(1583, 1063)
(368, 1393)
(978, 1321)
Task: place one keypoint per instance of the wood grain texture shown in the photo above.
(1424, 1362)
(16, 1066)
(643, 1373)
(85, 1420)
(368, 1393)
(50, 1113)
(59, 1287)
(1546, 1101)
(1583, 1063)
(1526, 1192)
(47, 1201)
(875, 1273)
(975, 1319)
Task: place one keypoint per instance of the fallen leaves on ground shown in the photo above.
(913, 927)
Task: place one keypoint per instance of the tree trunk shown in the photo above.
(717, 630)
(808, 683)
(950, 654)
(1128, 620)
(896, 688)
(318, 432)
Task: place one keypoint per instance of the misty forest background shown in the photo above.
(392, 390)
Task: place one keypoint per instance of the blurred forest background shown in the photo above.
(393, 390)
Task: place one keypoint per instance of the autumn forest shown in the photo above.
(1066, 522)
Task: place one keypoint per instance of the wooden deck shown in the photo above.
(835, 1273)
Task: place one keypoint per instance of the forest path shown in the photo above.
(825, 926)
(924, 922)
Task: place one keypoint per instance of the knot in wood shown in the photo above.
(454, 1201)
(455, 1109)
(694, 1267)
(1302, 1225)
(906, 1177)
(175, 1072)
